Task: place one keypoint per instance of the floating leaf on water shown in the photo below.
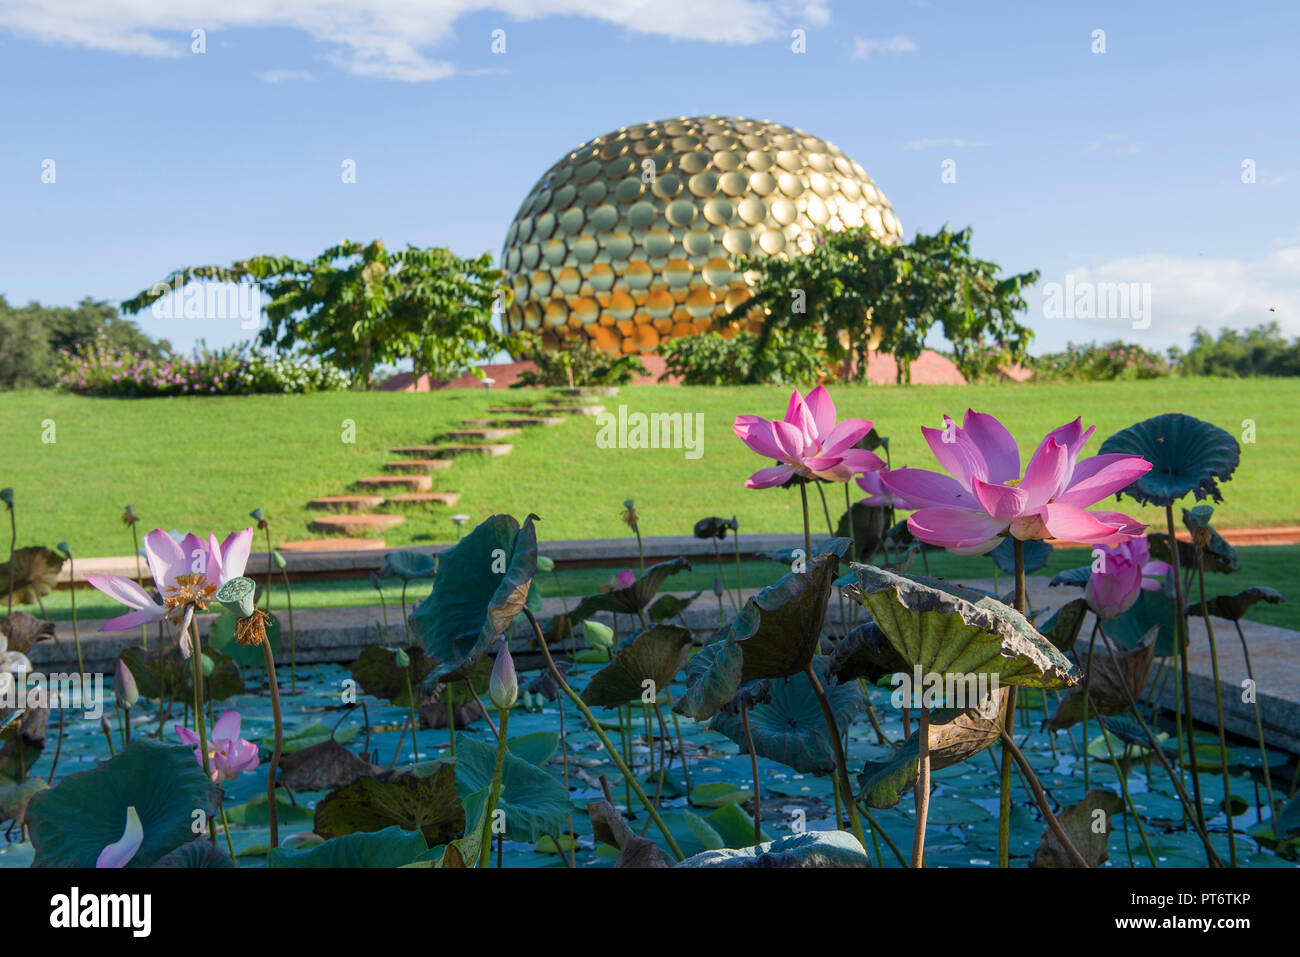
(323, 767)
(199, 852)
(1077, 822)
(427, 803)
(719, 794)
(391, 847)
(534, 801)
(378, 673)
(811, 849)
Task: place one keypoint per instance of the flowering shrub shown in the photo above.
(1092, 363)
(105, 370)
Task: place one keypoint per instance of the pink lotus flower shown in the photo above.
(877, 494)
(120, 852)
(625, 579)
(808, 442)
(186, 572)
(984, 497)
(1120, 573)
(228, 753)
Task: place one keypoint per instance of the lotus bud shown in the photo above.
(598, 635)
(374, 583)
(545, 564)
(105, 727)
(206, 664)
(279, 559)
(237, 596)
(65, 549)
(503, 685)
(717, 587)
(124, 688)
(402, 659)
(7, 496)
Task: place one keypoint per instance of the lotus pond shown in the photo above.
(854, 713)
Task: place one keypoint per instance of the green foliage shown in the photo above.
(1099, 363)
(574, 363)
(861, 292)
(712, 358)
(1261, 351)
(34, 338)
(358, 305)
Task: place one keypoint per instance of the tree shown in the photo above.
(864, 293)
(32, 336)
(359, 305)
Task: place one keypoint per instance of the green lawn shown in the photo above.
(202, 464)
(1275, 566)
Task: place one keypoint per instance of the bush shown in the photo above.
(104, 369)
(1099, 363)
(712, 358)
(589, 366)
(31, 337)
(1262, 351)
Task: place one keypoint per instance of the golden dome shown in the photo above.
(631, 238)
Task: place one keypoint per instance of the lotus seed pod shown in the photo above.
(237, 596)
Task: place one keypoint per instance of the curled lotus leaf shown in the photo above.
(1234, 607)
(946, 629)
(865, 525)
(1186, 454)
(655, 655)
(866, 653)
(409, 565)
(1220, 557)
(34, 570)
(668, 606)
(482, 585)
(633, 598)
(1077, 577)
(20, 631)
(1106, 683)
(818, 849)
(1078, 822)
(1062, 628)
(712, 679)
(323, 767)
(608, 827)
(427, 803)
(377, 672)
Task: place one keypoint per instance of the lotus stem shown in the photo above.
(293, 652)
(1131, 809)
(753, 763)
(841, 764)
(681, 745)
(1180, 622)
(1218, 705)
(189, 627)
(487, 716)
(877, 829)
(807, 528)
(600, 733)
(139, 578)
(451, 722)
(1087, 698)
(225, 827)
(485, 842)
(922, 787)
(72, 596)
(1259, 723)
(1009, 746)
(564, 757)
(1020, 603)
(274, 685)
(740, 591)
(13, 544)
(410, 701)
(270, 562)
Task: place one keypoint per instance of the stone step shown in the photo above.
(511, 409)
(418, 466)
(356, 524)
(572, 398)
(409, 483)
(533, 420)
(333, 545)
(346, 503)
(576, 409)
(484, 434)
(447, 451)
(609, 390)
(425, 498)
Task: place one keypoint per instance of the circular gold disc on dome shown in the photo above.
(634, 236)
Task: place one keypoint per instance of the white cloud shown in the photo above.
(1199, 291)
(957, 143)
(388, 39)
(863, 47)
(284, 76)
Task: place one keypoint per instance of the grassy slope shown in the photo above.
(1274, 566)
(204, 463)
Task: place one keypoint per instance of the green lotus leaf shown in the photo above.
(955, 735)
(199, 852)
(221, 636)
(310, 735)
(668, 606)
(790, 727)
(534, 802)
(535, 748)
(1036, 555)
(427, 803)
(15, 796)
(177, 674)
(945, 629)
(34, 570)
(1062, 628)
(868, 527)
(704, 832)
(633, 598)
(779, 629)
(391, 847)
(811, 849)
(1077, 577)
(1078, 821)
(1186, 455)
(865, 652)
(409, 565)
(655, 655)
(85, 812)
(1152, 609)
(255, 812)
(1234, 607)
(377, 672)
(719, 794)
(323, 767)
(465, 851)
(482, 584)
(1288, 819)
(712, 679)
(734, 825)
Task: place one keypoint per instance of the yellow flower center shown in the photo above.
(189, 590)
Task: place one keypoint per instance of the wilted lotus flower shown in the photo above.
(188, 572)
(129, 517)
(503, 685)
(598, 635)
(124, 688)
(1126, 570)
(228, 753)
(11, 663)
(984, 497)
(808, 443)
(119, 853)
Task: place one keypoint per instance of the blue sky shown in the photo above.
(1122, 166)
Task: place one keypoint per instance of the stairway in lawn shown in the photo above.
(408, 478)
